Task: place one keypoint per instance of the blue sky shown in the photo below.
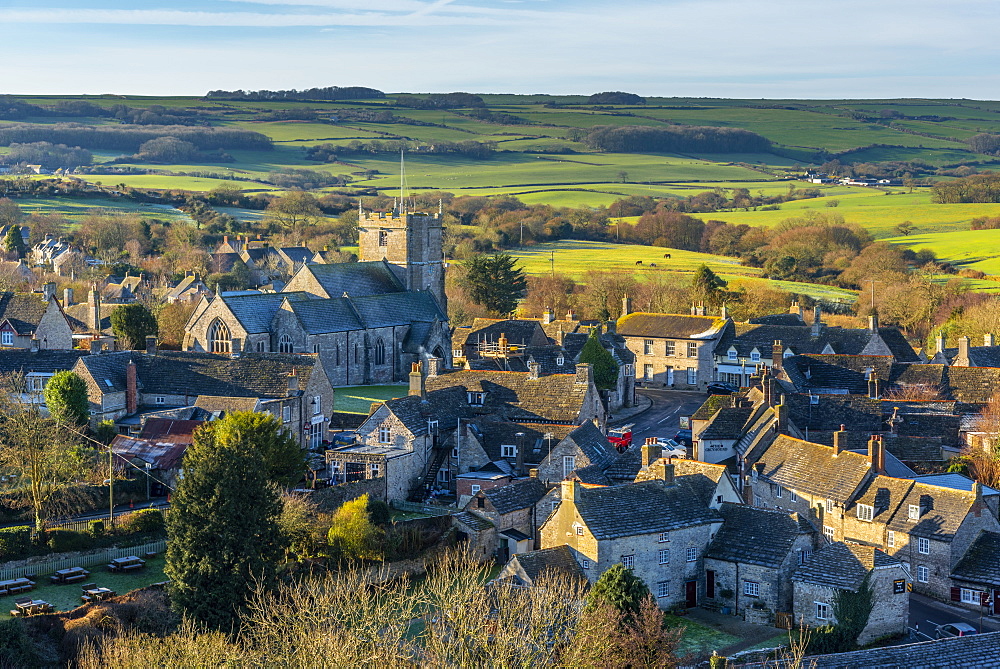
(710, 48)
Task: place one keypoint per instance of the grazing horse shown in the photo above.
(667, 256)
(638, 262)
(652, 264)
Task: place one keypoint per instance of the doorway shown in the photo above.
(710, 584)
(691, 594)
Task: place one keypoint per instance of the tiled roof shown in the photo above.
(255, 311)
(712, 404)
(727, 423)
(472, 521)
(78, 316)
(565, 325)
(892, 465)
(973, 385)
(592, 474)
(778, 319)
(943, 510)
(756, 536)
(24, 361)
(592, 443)
(357, 279)
(843, 566)
(212, 403)
(517, 495)
(955, 482)
(163, 455)
(746, 337)
(901, 349)
(399, 308)
(517, 331)
(670, 325)
(981, 562)
(642, 508)
(858, 413)
(22, 310)
(813, 469)
(845, 372)
(558, 559)
(297, 254)
(884, 494)
(953, 653)
(323, 316)
(224, 262)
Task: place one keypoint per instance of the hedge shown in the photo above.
(14, 541)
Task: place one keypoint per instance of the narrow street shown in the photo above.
(663, 418)
(927, 613)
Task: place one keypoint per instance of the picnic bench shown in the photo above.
(26, 606)
(126, 564)
(69, 575)
(16, 586)
(92, 593)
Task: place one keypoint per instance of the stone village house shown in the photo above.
(33, 321)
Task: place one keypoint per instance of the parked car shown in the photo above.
(671, 448)
(722, 388)
(683, 437)
(954, 629)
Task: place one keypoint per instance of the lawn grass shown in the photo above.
(699, 639)
(358, 399)
(67, 597)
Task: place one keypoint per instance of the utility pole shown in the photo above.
(552, 263)
(111, 488)
(521, 243)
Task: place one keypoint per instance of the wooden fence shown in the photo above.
(121, 518)
(86, 560)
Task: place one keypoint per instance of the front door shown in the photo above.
(670, 376)
(691, 594)
(710, 584)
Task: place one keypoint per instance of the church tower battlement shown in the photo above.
(412, 243)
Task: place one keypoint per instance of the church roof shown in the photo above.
(357, 279)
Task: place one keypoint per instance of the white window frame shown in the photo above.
(6, 338)
(476, 399)
(731, 354)
(828, 532)
(670, 348)
(569, 464)
(778, 491)
(647, 372)
(508, 451)
(317, 404)
(913, 512)
(754, 356)
(890, 540)
(286, 414)
(923, 545)
(160, 399)
(793, 496)
(628, 561)
(865, 512)
(970, 596)
(692, 349)
(586, 564)
(822, 610)
(663, 538)
(692, 375)
(475, 488)
(384, 434)
(829, 505)
(923, 573)
(647, 347)
(374, 470)
(578, 528)
(663, 556)
(662, 589)
(751, 588)
(691, 554)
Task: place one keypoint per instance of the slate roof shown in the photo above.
(756, 536)
(297, 254)
(48, 360)
(953, 653)
(255, 311)
(213, 404)
(943, 511)
(22, 310)
(842, 566)
(396, 308)
(558, 559)
(901, 349)
(858, 413)
(955, 482)
(700, 478)
(263, 375)
(517, 331)
(727, 423)
(642, 508)
(224, 262)
(712, 404)
(323, 316)
(785, 320)
(515, 496)
(812, 468)
(357, 279)
(494, 433)
(78, 317)
(981, 562)
(592, 443)
(884, 494)
(670, 325)
(592, 474)
(745, 337)
(472, 521)
(845, 372)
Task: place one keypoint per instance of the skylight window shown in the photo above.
(110, 385)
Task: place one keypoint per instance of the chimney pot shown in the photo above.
(534, 369)
(67, 297)
(839, 440)
(151, 345)
(651, 452)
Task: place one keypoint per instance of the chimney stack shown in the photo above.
(873, 321)
(777, 354)
(963, 352)
(571, 315)
(839, 441)
(293, 382)
(548, 315)
(939, 343)
(988, 340)
(817, 325)
(584, 373)
(48, 290)
(151, 345)
(503, 344)
(626, 305)
(131, 388)
(433, 367)
(781, 415)
(95, 346)
(668, 472)
(67, 297)
(94, 309)
(570, 491)
(416, 381)
(533, 472)
(533, 370)
(724, 314)
(874, 387)
(34, 344)
(651, 452)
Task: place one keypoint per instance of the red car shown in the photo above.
(621, 437)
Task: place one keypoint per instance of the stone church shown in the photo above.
(366, 321)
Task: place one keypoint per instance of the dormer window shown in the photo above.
(755, 356)
(865, 512)
(560, 361)
(731, 354)
(914, 512)
(7, 338)
(508, 451)
(476, 399)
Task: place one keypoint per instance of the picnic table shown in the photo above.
(15, 586)
(126, 564)
(27, 606)
(92, 593)
(69, 575)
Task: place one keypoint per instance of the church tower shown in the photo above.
(411, 243)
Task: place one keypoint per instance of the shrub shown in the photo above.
(379, 512)
(146, 521)
(14, 541)
(96, 528)
(61, 541)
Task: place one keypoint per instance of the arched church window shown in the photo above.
(379, 352)
(219, 338)
(284, 344)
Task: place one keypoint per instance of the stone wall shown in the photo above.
(330, 499)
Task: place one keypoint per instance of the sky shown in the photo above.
(683, 48)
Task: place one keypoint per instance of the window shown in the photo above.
(891, 539)
(914, 512)
(629, 370)
(286, 414)
(691, 554)
(579, 529)
(160, 400)
(692, 376)
(923, 545)
(375, 469)
(508, 451)
(628, 561)
(475, 488)
(383, 237)
(260, 347)
(586, 564)
(671, 348)
(317, 404)
(444, 475)
(36, 384)
(315, 349)
(970, 596)
(336, 355)
(476, 399)
(829, 505)
(454, 452)
(316, 434)
(569, 464)
(219, 339)
(692, 349)
(778, 491)
(7, 338)
(751, 588)
(828, 532)
(865, 512)
(664, 537)
(663, 555)
(822, 611)
(384, 434)
(432, 428)
(647, 372)
(647, 347)
(663, 589)
(758, 501)
(379, 351)
(755, 356)
(560, 360)
(284, 344)
(923, 573)
(731, 354)
(792, 496)
(803, 556)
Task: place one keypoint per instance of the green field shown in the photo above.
(75, 209)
